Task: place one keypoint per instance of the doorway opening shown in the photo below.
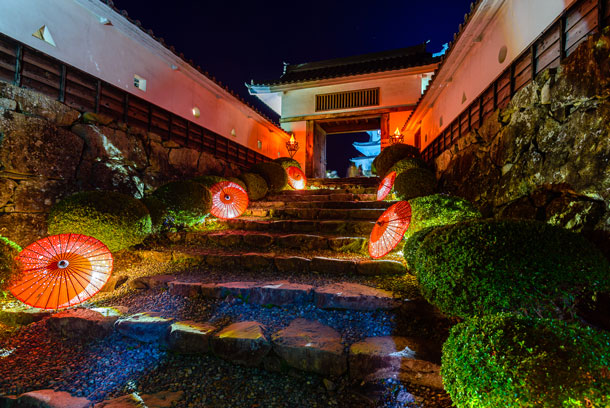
(351, 154)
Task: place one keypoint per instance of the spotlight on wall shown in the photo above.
(397, 137)
(196, 112)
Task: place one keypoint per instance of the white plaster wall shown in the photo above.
(394, 91)
(116, 52)
(515, 25)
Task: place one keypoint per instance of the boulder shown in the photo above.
(51, 399)
(190, 337)
(354, 296)
(22, 315)
(393, 357)
(151, 282)
(243, 343)
(146, 327)
(311, 346)
(81, 324)
(115, 282)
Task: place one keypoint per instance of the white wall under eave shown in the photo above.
(114, 53)
(393, 91)
(516, 25)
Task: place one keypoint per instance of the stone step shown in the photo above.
(342, 182)
(320, 204)
(288, 262)
(351, 227)
(341, 295)
(256, 240)
(304, 345)
(371, 214)
(334, 196)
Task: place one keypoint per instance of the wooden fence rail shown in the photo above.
(573, 27)
(26, 67)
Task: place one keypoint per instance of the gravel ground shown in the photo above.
(116, 366)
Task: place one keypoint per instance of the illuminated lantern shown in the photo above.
(292, 146)
(62, 271)
(296, 178)
(386, 186)
(229, 200)
(389, 229)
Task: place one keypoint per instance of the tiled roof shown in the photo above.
(356, 65)
(171, 48)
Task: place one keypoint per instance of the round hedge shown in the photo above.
(391, 155)
(515, 361)
(407, 164)
(8, 266)
(414, 183)
(286, 162)
(187, 203)
(437, 210)
(116, 219)
(208, 181)
(490, 266)
(238, 182)
(274, 175)
(158, 212)
(256, 186)
(412, 245)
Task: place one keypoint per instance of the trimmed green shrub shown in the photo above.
(491, 266)
(8, 266)
(414, 183)
(510, 361)
(274, 175)
(412, 245)
(158, 212)
(437, 210)
(286, 162)
(187, 203)
(407, 164)
(391, 155)
(208, 181)
(238, 182)
(256, 186)
(116, 219)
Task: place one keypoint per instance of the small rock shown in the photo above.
(162, 399)
(329, 385)
(243, 343)
(126, 401)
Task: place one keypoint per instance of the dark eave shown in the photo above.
(383, 61)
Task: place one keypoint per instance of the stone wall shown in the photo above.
(48, 151)
(547, 155)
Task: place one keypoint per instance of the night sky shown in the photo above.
(237, 41)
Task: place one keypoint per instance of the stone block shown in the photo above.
(311, 346)
(242, 343)
(184, 289)
(333, 266)
(51, 399)
(256, 262)
(354, 296)
(81, 324)
(281, 293)
(223, 261)
(380, 267)
(258, 240)
(146, 327)
(190, 337)
(294, 264)
(225, 239)
(393, 357)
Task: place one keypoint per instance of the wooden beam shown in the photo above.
(356, 115)
(309, 130)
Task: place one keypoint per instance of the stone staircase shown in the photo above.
(288, 288)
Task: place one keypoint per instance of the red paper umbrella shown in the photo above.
(62, 271)
(389, 229)
(386, 186)
(229, 200)
(296, 178)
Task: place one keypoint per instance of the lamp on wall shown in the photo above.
(292, 146)
(397, 137)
